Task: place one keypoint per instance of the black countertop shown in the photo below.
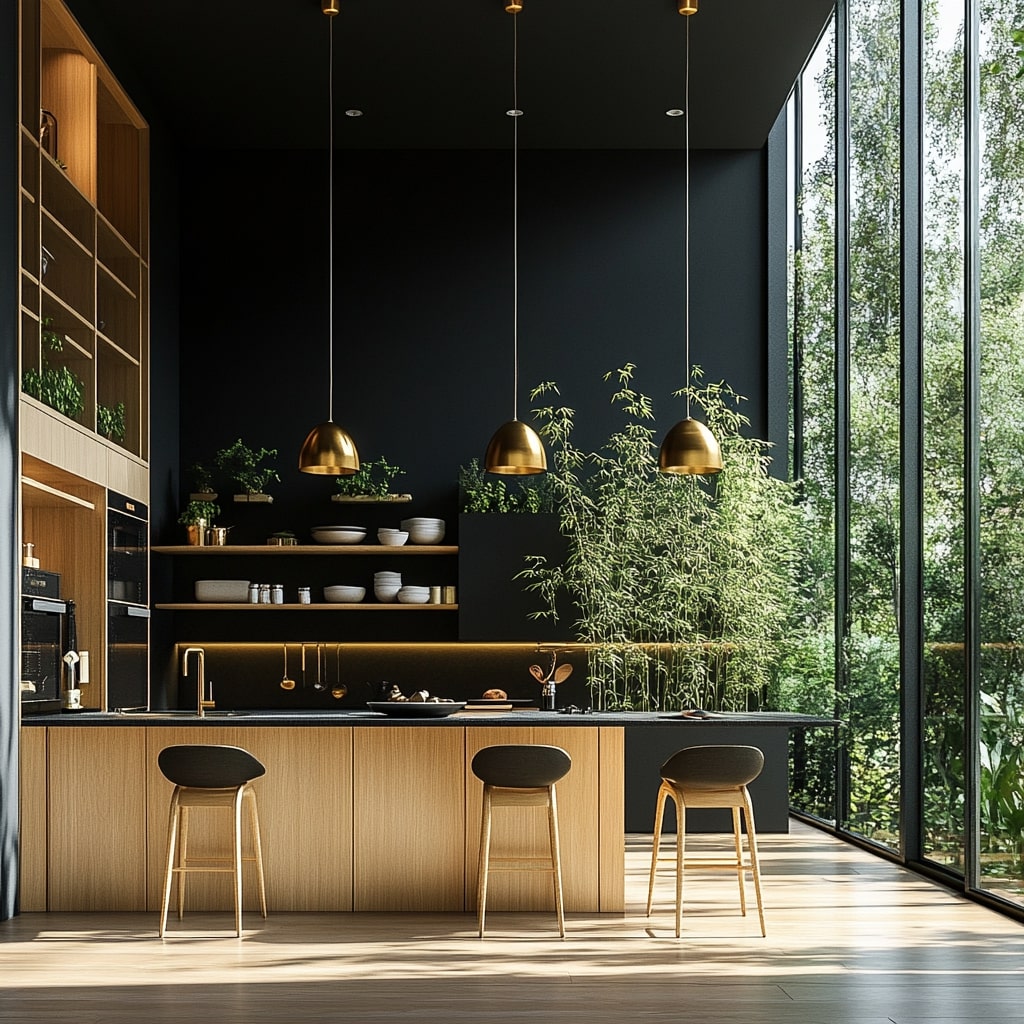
(361, 717)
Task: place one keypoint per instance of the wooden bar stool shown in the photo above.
(710, 776)
(520, 775)
(208, 775)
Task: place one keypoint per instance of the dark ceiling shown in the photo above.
(592, 74)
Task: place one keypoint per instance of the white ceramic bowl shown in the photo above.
(386, 596)
(393, 538)
(426, 534)
(223, 591)
(387, 577)
(414, 595)
(339, 534)
(421, 521)
(344, 595)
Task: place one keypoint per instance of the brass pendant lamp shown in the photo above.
(329, 449)
(515, 449)
(689, 447)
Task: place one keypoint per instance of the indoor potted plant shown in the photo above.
(110, 421)
(197, 517)
(58, 387)
(241, 464)
(202, 483)
(371, 482)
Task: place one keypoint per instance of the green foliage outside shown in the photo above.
(867, 695)
(684, 585)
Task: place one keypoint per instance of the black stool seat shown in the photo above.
(210, 775)
(521, 765)
(519, 775)
(208, 766)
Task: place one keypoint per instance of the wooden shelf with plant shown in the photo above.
(371, 484)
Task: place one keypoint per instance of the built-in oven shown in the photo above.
(43, 634)
(127, 602)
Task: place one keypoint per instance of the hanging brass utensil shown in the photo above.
(339, 689)
(319, 684)
(286, 683)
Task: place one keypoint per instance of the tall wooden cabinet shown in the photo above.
(84, 244)
(83, 311)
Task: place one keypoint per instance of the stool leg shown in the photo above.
(556, 863)
(659, 814)
(254, 822)
(237, 868)
(680, 859)
(182, 859)
(755, 867)
(172, 842)
(738, 842)
(484, 860)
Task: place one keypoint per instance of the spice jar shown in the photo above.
(303, 595)
(277, 593)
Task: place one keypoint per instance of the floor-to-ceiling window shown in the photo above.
(908, 244)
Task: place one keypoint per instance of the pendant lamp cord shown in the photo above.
(330, 226)
(686, 257)
(515, 113)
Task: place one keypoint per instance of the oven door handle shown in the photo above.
(42, 604)
(135, 612)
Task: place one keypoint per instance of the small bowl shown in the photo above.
(339, 534)
(386, 594)
(344, 594)
(414, 595)
(393, 538)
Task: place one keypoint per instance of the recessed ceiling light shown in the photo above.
(353, 113)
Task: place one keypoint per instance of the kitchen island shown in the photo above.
(359, 811)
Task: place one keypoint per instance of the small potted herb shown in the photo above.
(202, 483)
(197, 516)
(371, 482)
(57, 387)
(241, 464)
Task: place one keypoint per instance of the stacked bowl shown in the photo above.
(424, 531)
(391, 537)
(344, 595)
(339, 534)
(414, 595)
(386, 586)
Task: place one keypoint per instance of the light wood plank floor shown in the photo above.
(851, 938)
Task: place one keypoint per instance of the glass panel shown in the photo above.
(1001, 446)
(807, 678)
(944, 700)
(871, 648)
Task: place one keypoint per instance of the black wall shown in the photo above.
(424, 302)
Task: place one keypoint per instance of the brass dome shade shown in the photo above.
(515, 450)
(329, 451)
(689, 447)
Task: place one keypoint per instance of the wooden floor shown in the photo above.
(851, 938)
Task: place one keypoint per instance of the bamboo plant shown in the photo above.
(683, 585)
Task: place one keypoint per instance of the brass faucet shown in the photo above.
(201, 702)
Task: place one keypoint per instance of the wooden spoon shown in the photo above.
(562, 673)
(538, 673)
(286, 683)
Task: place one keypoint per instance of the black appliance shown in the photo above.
(43, 631)
(127, 602)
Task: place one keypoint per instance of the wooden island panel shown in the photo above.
(409, 818)
(32, 827)
(97, 819)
